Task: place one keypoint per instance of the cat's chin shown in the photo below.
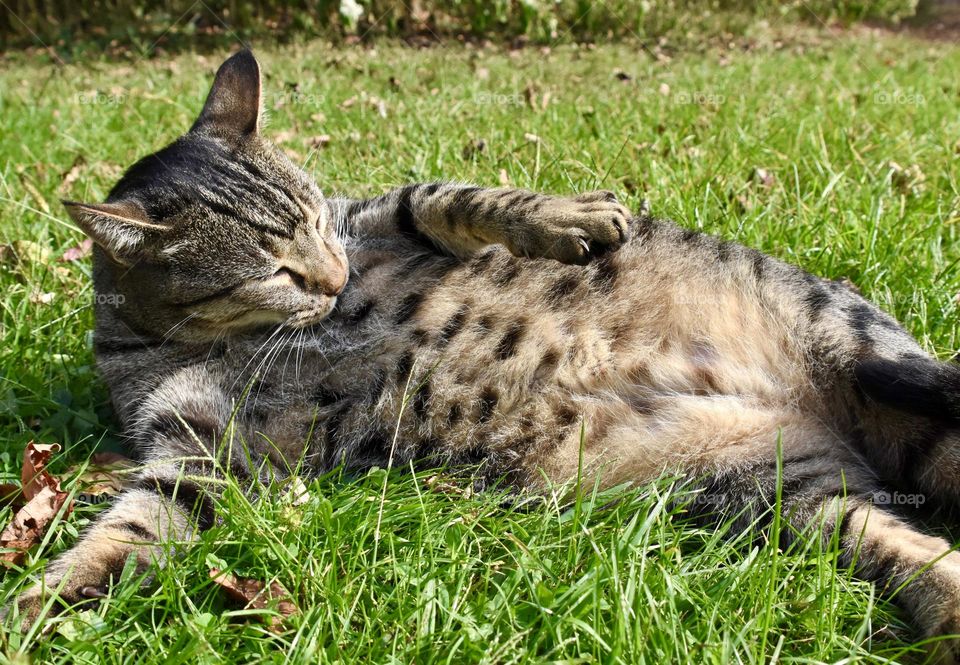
(308, 317)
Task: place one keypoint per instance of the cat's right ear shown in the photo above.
(122, 229)
(232, 108)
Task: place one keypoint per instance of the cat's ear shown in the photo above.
(122, 229)
(233, 105)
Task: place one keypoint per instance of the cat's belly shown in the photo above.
(502, 359)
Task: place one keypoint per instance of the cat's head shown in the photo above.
(218, 233)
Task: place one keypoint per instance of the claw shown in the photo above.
(93, 592)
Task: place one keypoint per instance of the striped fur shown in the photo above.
(488, 325)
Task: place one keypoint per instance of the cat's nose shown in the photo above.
(333, 279)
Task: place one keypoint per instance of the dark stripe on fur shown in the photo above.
(186, 494)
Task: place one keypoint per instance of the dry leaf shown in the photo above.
(44, 499)
(297, 492)
(10, 495)
(72, 174)
(319, 142)
(29, 525)
(106, 474)
(437, 484)
(77, 252)
(504, 178)
(33, 474)
(256, 595)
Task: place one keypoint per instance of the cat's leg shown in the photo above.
(910, 408)
(184, 426)
(459, 220)
(897, 406)
(742, 457)
(824, 499)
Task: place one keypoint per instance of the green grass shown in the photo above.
(453, 577)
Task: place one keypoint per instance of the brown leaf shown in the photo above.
(256, 595)
(77, 252)
(43, 497)
(30, 523)
(319, 142)
(72, 174)
(106, 474)
(10, 495)
(33, 474)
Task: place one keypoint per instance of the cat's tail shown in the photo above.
(922, 386)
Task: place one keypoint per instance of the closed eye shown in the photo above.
(293, 276)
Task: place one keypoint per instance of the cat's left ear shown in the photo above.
(122, 228)
(232, 108)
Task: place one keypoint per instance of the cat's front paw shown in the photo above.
(576, 230)
(70, 581)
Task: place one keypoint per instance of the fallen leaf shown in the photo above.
(10, 495)
(29, 524)
(77, 252)
(72, 174)
(33, 474)
(44, 499)
(256, 595)
(504, 178)
(107, 473)
(319, 142)
(297, 492)
(438, 484)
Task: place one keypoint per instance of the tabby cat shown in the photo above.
(494, 328)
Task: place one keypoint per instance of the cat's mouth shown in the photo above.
(308, 317)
